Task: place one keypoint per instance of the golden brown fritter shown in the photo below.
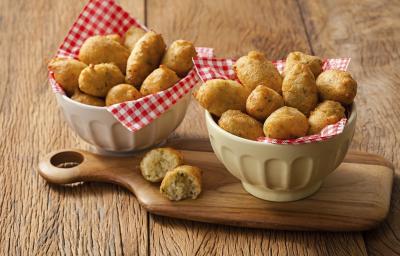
(115, 37)
(286, 123)
(182, 182)
(254, 69)
(132, 36)
(144, 58)
(326, 113)
(121, 93)
(337, 85)
(66, 73)
(299, 89)
(313, 62)
(160, 79)
(157, 162)
(240, 124)
(97, 80)
(262, 101)
(104, 49)
(179, 57)
(218, 96)
(87, 99)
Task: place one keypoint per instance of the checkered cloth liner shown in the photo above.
(101, 17)
(135, 115)
(211, 68)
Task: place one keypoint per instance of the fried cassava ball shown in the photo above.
(313, 62)
(97, 80)
(262, 101)
(160, 79)
(104, 49)
(240, 124)
(299, 89)
(337, 85)
(121, 93)
(286, 123)
(66, 73)
(326, 113)
(132, 36)
(218, 96)
(254, 69)
(145, 57)
(179, 57)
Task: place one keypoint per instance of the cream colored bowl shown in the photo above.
(98, 127)
(280, 172)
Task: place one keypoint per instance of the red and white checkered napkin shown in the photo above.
(135, 115)
(100, 17)
(211, 68)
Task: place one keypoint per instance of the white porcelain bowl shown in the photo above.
(280, 172)
(98, 127)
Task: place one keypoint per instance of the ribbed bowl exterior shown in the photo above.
(98, 127)
(280, 172)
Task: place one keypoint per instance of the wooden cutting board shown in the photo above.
(354, 197)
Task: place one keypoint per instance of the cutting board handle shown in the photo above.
(72, 165)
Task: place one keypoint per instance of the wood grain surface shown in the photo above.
(35, 218)
(96, 219)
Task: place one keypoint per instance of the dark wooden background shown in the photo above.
(100, 219)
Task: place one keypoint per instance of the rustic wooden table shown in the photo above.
(99, 219)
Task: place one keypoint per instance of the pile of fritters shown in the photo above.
(112, 69)
(302, 101)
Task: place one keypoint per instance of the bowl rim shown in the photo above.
(211, 121)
